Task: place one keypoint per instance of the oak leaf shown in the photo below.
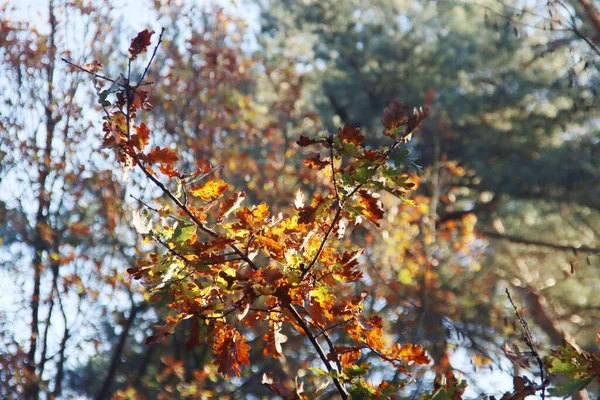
(163, 156)
(140, 43)
(410, 353)
(212, 189)
(350, 134)
(231, 349)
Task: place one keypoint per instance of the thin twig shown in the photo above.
(87, 71)
(530, 343)
(319, 349)
(162, 30)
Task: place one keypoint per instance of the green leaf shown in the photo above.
(102, 98)
(364, 173)
(183, 233)
(356, 370)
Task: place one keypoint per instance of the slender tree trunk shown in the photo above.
(42, 232)
(105, 390)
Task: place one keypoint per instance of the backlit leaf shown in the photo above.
(163, 156)
(212, 189)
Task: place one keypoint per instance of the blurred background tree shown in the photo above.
(63, 246)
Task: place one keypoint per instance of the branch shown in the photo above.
(319, 349)
(533, 242)
(87, 71)
(194, 219)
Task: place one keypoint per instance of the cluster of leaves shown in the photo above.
(227, 267)
(572, 370)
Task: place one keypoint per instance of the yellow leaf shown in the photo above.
(211, 190)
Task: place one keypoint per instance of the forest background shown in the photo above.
(505, 167)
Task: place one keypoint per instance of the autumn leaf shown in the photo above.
(274, 339)
(163, 331)
(93, 66)
(370, 206)
(141, 137)
(141, 99)
(212, 189)
(415, 121)
(169, 171)
(140, 43)
(229, 205)
(278, 387)
(397, 115)
(305, 141)
(254, 218)
(410, 353)
(314, 161)
(162, 156)
(350, 134)
(231, 349)
(271, 247)
(394, 116)
(447, 387)
(347, 355)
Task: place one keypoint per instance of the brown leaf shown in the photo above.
(274, 339)
(229, 205)
(93, 66)
(415, 121)
(140, 43)
(278, 388)
(349, 134)
(314, 161)
(394, 116)
(306, 141)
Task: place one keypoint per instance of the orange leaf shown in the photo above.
(348, 355)
(169, 171)
(410, 353)
(163, 331)
(271, 247)
(162, 156)
(314, 161)
(370, 205)
(231, 349)
(211, 190)
(252, 219)
(141, 137)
